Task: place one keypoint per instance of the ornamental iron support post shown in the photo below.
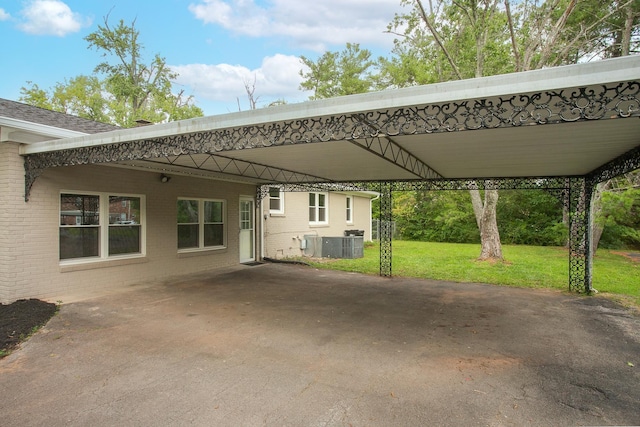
(262, 191)
(386, 228)
(580, 248)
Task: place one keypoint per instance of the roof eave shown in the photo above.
(44, 131)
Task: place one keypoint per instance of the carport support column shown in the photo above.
(580, 246)
(385, 228)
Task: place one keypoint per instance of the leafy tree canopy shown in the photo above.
(339, 73)
(122, 89)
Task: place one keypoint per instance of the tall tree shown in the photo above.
(122, 89)
(464, 38)
(339, 73)
(457, 39)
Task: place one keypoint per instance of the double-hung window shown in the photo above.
(101, 225)
(349, 209)
(201, 224)
(318, 212)
(276, 201)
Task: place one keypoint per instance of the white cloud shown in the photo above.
(310, 24)
(277, 78)
(51, 17)
(4, 15)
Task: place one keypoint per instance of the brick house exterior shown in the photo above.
(92, 228)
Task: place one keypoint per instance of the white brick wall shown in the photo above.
(11, 199)
(282, 233)
(29, 258)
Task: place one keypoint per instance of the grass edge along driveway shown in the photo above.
(524, 266)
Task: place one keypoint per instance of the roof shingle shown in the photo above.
(29, 113)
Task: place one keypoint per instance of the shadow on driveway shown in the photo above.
(291, 345)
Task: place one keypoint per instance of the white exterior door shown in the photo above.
(247, 232)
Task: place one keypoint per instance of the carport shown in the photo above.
(563, 129)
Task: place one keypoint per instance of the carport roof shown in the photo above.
(564, 121)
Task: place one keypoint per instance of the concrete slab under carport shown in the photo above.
(290, 345)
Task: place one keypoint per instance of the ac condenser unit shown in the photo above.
(347, 247)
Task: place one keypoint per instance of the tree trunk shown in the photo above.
(596, 234)
(489, 235)
(627, 32)
(485, 213)
(596, 213)
(478, 206)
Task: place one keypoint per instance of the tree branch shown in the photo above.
(436, 36)
(557, 28)
(537, 42)
(514, 44)
(571, 44)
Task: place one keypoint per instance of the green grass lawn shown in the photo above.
(524, 266)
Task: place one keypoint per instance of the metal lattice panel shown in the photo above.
(626, 163)
(263, 190)
(580, 250)
(386, 232)
(388, 149)
(239, 168)
(532, 183)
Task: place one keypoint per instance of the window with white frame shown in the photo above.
(318, 204)
(101, 225)
(349, 209)
(276, 200)
(201, 224)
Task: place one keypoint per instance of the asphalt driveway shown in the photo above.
(294, 346)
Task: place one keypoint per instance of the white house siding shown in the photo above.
(283, 233)
(29, 257)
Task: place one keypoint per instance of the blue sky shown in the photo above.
(215, 45)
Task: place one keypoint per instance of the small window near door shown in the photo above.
(213, 223)
(201, 224)
(276, 201)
